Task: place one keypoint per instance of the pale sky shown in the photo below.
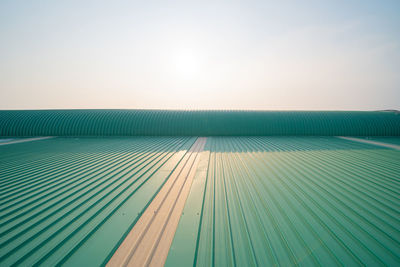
(268, 55)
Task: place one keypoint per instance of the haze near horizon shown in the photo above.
(258, 55)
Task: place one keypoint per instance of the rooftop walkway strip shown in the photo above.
(360, 140)
(149, 241)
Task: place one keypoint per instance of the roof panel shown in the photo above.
(196, 123)
(253, 200)
(73, 200)
(292, 200)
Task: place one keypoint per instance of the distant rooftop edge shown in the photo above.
(127, 122)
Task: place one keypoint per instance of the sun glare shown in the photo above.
(186, 63)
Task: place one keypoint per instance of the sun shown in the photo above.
(186, 63)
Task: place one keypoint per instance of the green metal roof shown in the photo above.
(72, 200)
(255, 200)
(196, 123)
(291, 201)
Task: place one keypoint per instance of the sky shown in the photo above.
(258, 55)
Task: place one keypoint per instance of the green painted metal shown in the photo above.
(72, 201)
(291, 201)
(196, 123)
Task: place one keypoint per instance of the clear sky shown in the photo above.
(272, 55)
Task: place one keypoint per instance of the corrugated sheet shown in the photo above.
(148, 243)
(291, 200)
(72, 200)
(253, 201)
(196, 123)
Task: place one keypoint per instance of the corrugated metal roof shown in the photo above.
(72, 200)
(253, 200)
(196, 123)
(149, 241)
(291, 200)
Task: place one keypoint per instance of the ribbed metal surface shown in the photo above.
(72, 200)
(196, 123)
(149, 241)
(291, 200)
